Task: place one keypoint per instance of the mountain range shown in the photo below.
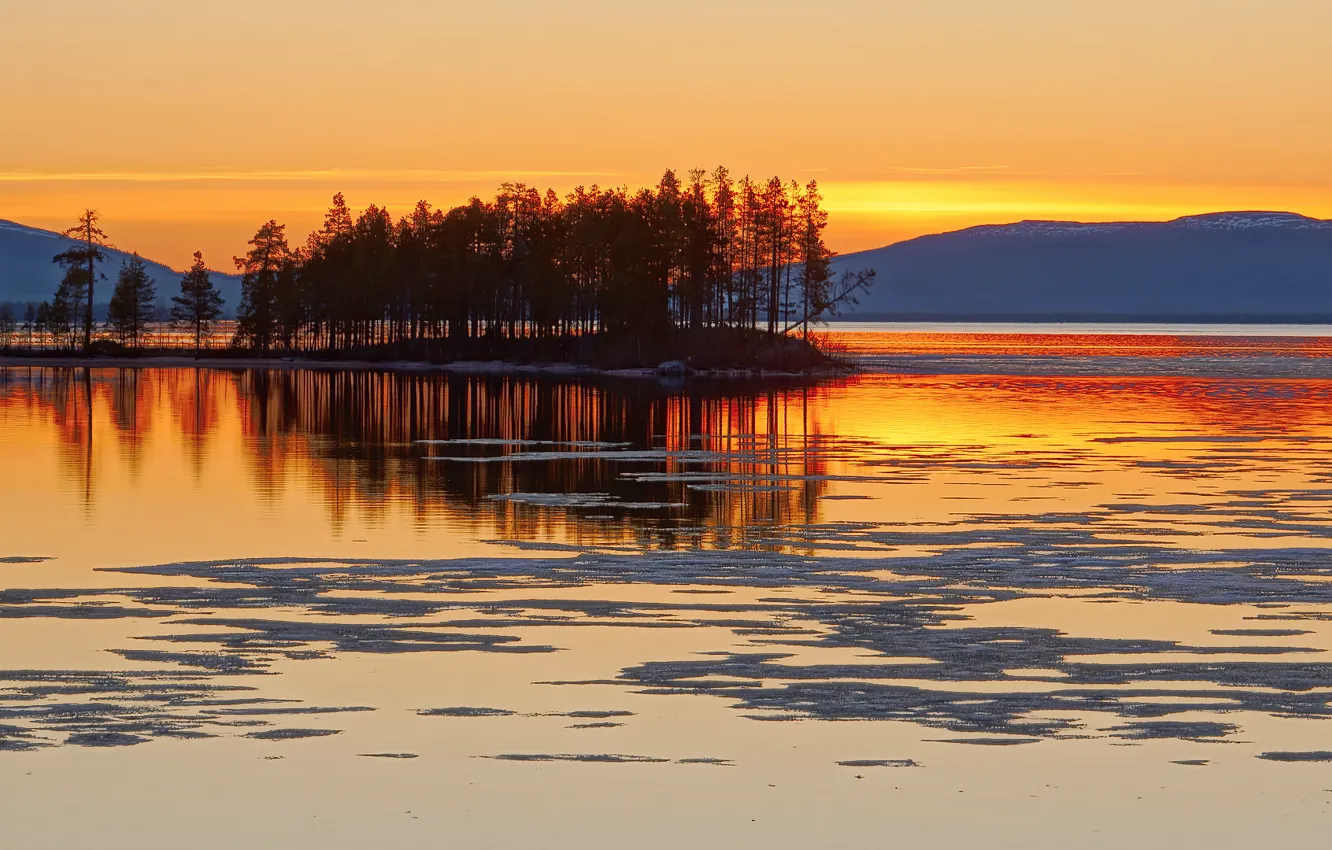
(1225, 267)
(27, 275)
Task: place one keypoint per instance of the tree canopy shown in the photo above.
(133, 302)
(704, 252)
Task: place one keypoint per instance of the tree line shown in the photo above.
(67, 319)
(706, 252)
(709, 251)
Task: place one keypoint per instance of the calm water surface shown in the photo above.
(1000, 607)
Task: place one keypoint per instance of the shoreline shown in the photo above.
(475, 368)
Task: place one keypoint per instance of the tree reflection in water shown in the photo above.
(521, 459)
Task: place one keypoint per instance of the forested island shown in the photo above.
(709, 271)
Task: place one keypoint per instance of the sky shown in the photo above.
(186, 125)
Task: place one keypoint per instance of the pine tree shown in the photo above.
(132, 302)
(700, 239)
(776, 235)
(814, 257)
(323, 263)
(64, 310)
(723, 274)
(751, 252)
(199, 304)
(86, 257)
(264, 271)
(54, 318)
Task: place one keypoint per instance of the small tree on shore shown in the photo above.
(199, 304)
(813, 256)
(62, 312)
(85, 257)
(133, 302)
(29, 320)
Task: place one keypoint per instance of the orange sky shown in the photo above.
(186, 125)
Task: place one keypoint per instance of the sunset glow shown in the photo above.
(188, 126)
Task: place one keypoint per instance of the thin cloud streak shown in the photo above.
(427, 175)
(969, 170)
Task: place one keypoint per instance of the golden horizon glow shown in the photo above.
(187, 127)
(167, 222)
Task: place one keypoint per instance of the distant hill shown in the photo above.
(1234, 266)
(27, 274)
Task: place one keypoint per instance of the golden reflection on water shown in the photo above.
(628, 463)
(1077, 344)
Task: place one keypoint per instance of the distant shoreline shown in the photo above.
(476, 368)
(729, 353)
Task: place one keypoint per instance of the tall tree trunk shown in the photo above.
(92, 280)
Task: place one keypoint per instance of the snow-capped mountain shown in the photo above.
(1230, 266)
(27, 274)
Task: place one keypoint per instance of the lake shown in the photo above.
(1019, 589)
